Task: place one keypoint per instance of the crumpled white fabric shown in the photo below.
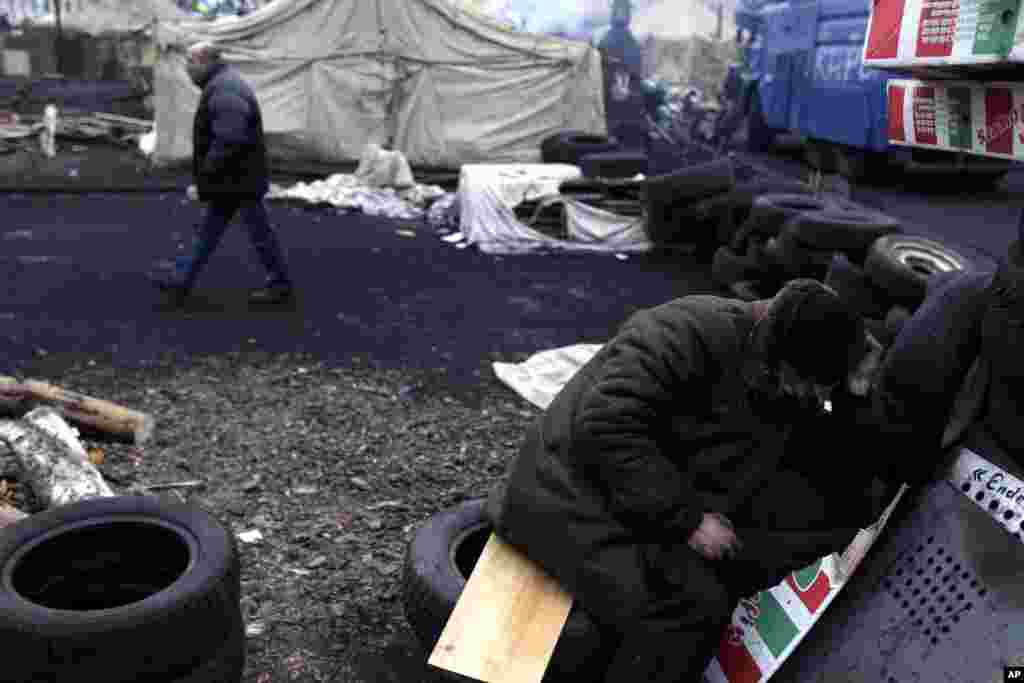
(540, 377)
(346, 191)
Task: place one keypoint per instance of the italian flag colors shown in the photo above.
(958, 116)
(767, 627)
(941, 32)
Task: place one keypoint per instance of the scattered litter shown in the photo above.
(305, 490)
(300, 572)
(395, 504)
(256, 628)
(359, 483)
(406, 233)
(462, 245)
(454, 237)
(96, 456)
(349, 192)
(622, 257)
(253, 536)
(317, 561)
(444, 212)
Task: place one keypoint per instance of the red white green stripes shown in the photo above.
(977, 118)
(941, 32)
(766, 628)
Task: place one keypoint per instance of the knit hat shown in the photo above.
(809, 327)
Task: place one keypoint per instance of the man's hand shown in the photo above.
(715, 538)
(862, 378)
(192, 193)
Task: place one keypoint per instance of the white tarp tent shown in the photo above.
(443, 86)
(97, 17)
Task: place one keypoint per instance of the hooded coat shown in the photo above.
(229, 157)
(657, 429)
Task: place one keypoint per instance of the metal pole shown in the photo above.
(60, 34)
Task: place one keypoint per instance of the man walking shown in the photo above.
(229, 164)
(691, 464)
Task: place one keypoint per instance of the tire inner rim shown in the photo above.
(101, 564)
(926, 261)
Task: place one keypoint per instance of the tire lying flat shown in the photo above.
(901, 265)
(851, 232)
(438, 563)
(120, 590)
(568, 147)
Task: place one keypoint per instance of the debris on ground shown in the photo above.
(344, 191)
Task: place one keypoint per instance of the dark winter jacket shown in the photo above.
(654, 431)
(229, 157)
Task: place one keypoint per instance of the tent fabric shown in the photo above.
(444, 86)
(97, 17)
(488, 195)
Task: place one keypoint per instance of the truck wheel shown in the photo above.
(439, 561)
(756, 131)
(852, 232)
(901, 265)
(855, 288)
(120, 589)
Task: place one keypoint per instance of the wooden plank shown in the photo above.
(507, 620)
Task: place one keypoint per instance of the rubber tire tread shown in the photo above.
(771, 211)
(431, 586)
(227, 663)
(127, 643)
(670, 199)
(740, 202)
(843, 229)
(853, 286)
(614, 164)
(800, 260)
(569, 147)
(900, 283)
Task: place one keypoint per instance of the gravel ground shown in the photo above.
(336, 466)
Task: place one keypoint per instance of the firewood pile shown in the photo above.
(40, 439)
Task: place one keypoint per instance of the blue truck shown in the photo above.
(802, 73)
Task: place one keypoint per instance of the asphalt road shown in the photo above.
(74, 269)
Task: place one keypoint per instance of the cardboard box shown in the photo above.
(923, 33)
(958, 116)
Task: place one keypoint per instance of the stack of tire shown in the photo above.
(1002, 333)
(598, 156)
(859, 252)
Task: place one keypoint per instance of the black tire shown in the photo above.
(771, 211)
(740, 202)
(799, 260)
(438, 563)
(879, 331)
(728, 267)
(101, 590)
(613, 164)
(852, 232)
(670, 199)
(585, 186)
(895, 319)
(1009, 278)
(568, 147)
(902, 264)
(854, 287)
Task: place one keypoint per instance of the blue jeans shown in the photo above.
(262, 237)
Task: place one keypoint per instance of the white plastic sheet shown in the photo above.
(489, 193)
(540, 377)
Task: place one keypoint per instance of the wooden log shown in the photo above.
(83, 410)
(53, 460)
(9, 515)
